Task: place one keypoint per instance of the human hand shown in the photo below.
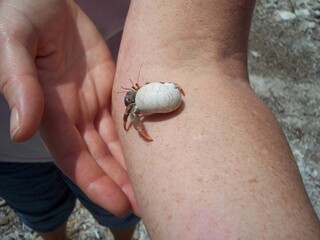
(58, 74)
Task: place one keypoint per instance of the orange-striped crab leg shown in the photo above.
(180, 89)
(133, 112)
(126, 115)
(138, 125)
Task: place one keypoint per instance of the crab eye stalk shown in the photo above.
(130, 97)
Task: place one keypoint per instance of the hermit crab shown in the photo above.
(151, 98)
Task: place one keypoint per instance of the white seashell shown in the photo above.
(158, 98)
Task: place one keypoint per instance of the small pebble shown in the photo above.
(284, 15)
(3, 219)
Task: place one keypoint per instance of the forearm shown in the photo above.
(221, 167)
(187, 32)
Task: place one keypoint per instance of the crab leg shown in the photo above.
(126, 115)
(180, 89)
(138, 125)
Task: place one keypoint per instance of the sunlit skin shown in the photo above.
(221, 168)
(58, 75)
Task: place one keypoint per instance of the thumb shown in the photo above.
(21, 89)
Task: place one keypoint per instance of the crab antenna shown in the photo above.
(126, 89)
(121, 92)
(139, 73)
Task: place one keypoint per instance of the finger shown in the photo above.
(109, 165)
(21, 89)
(72, 157)
(107, 131)
(103, 157)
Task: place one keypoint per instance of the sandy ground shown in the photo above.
(284, 60)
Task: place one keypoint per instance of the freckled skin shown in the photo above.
(217, 137)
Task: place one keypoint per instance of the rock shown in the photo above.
(284, 15)
(3, 219)
(2, 202)
(303, 13)
(255, 54)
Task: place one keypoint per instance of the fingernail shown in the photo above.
(14, 122)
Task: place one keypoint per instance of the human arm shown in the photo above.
(221, 167)
(56, 72)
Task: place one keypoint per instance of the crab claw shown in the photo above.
(126, 115)
(180, 89)
(138, 125)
